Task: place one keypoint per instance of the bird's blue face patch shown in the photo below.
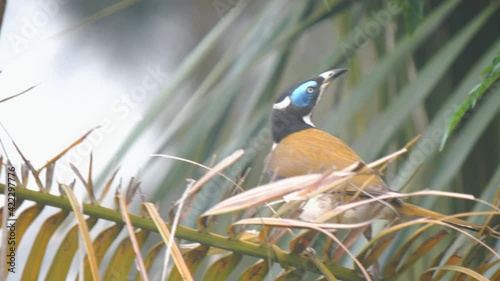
(304, 94)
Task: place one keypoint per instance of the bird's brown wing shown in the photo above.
(315, 151)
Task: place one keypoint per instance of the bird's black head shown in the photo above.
(293, 109)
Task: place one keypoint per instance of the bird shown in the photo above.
(299, 148)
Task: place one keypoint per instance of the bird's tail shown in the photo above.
(410, 210)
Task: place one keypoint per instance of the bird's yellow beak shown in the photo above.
(330, 75)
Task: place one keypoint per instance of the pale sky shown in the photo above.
(75, 91)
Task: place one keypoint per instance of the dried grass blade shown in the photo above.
(228, 161)
(107, 186)
(194, 163)
(133, 238)
(84, 182)
(49, 175)
(61, 154)
(168, 238)
(461, 269)
(21, 93)
(264, 193)
(280, 222)
(90, 186)
(30, 167)
(84, 231)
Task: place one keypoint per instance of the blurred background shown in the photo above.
(197, 79)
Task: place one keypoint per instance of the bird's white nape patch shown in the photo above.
(282, 104)
(274, 146)
(308, 119)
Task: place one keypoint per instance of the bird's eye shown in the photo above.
(310, 90)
